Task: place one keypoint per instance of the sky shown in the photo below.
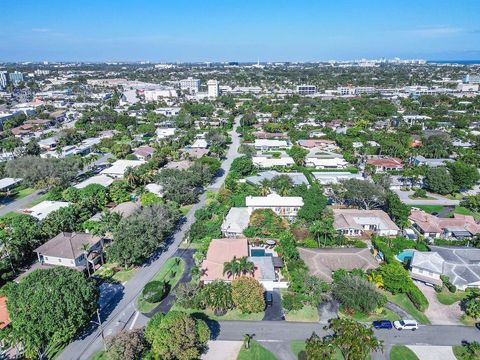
(241, 30)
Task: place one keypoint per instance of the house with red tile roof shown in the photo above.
(386, 164)
(433, 227)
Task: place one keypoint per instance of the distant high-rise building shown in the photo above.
(3, 79)
(213, 88)
(190, 84)
(16, 77)
(306, 89)
(471, 79)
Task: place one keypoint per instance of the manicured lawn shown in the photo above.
(447, 298)
(459, 352)
(164, 274)
(467, 320)
(255, 352)
(464, 211)
(234, 314)
(114, 272)
(429, 208)
(99, 356)
(23, 192)
(298, 349)
(37, 200)
(306, 314)
(404, 302)
(400, 352)
(384, 314)
(185, 209)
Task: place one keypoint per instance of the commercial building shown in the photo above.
(190, 84)
(15, 77)
(306, 89)
(3, 79)
(213, 89)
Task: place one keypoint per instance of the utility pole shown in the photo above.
(99, 323)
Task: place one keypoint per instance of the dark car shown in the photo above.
(268, 298)
(382, 324)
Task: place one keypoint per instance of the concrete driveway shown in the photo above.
(433, 352)
(218, 349)
(437, 313)
(439, 200)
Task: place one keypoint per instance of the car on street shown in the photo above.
(406, 325)
(382, 324)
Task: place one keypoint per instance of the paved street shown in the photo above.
(282, 330)
(439, 200)
(124, 314)
(21, 203)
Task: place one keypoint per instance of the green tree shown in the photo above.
(317, 348)
(464, 175)
(314, 202)
(178, 336)
(247, 295)
(218, 296)
(439, 180)
(242, 166)
(48, 307)
(358, 294)
(298, 154)
(323, 230)
(397, 210)
(126, 345)
(364, 194)
(354, 339)
(282, 184)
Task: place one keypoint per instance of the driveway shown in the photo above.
(328, 310)
(437, 313)
(275, 311)
(439, 200)
(433, 352)
(227, 350)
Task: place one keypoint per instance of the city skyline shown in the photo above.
(187, 31)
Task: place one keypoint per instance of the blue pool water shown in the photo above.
(257, 252)
(405, 255)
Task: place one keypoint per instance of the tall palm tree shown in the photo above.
(265, 187)
(245, 266)
(322, 228)
(246, 340)
(131, 176)
(231, 268)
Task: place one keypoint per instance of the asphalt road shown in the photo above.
(439, 200)
(123, 313)
(448, 335)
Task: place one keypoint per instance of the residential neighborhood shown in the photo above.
(238, 209)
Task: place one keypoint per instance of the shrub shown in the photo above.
(438, 288)
(417, 298)
(247, 295)
(126, 345)
(452, 288)
(154, 291)
(292, 302)
(420, 193)
(358, 294)
(310, 243)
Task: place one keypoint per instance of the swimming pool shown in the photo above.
(257, 252)
(405, 255)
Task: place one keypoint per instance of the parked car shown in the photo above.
(406, 325)
(382, 324)
(268, 298)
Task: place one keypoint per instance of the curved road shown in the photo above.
(124, 312)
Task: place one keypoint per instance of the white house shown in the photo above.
(355, 222)
(101, 179)
(199, 144)
(285, 206)
(266, 162)
(270, 144)
(326, 163)
(335, 177)
(163, 133)
(235, 222)
(117, 170)
(42, 210)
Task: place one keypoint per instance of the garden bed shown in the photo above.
(234, 314)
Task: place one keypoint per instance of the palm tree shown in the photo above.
(245, 266)
(131, 177)
(323, 229)
(377, 279)
(231, 268)
(265, 187)
(246, 340)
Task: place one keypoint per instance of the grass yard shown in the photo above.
(306, 314)
(114, 273)
(447, 298)
(255, 352)
(384, 314)
(23, 192)
(401, 352)
(298, 349)
(467, 320)
(164, 274)
(37, 200)
(185, 209)
(464, 211)
(429, 208)
(234, 314)
(404, 302)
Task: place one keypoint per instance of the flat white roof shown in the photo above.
(42, 210)
(7, 182)
(118, 167)
(101, 179)
(273, 200)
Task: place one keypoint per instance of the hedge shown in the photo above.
(417, 298)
